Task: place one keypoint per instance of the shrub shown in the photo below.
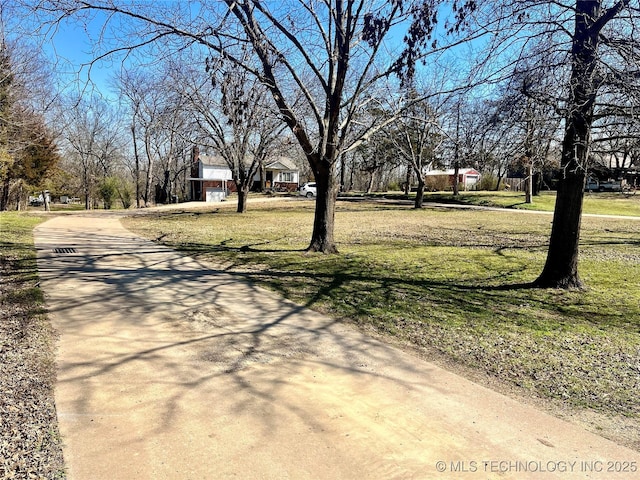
(437, 183)
(108, 190)
(487, 182)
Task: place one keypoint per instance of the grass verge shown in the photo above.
(594, 203)
(30, 445)
(448, 281)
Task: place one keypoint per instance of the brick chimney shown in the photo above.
(195, 159)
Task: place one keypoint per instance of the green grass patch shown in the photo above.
(594, 203)
(16, 246)
(450, 280)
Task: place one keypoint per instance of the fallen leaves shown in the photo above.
(30, 446)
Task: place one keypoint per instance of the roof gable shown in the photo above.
(213, 161)
(281, 163)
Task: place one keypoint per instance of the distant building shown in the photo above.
(467, 178)
(211, 179)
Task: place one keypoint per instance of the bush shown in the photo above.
(125, 191)
(487, 182)
(393, 186)
(108, 190)
(437, 183)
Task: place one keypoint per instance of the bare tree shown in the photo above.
(417, 136)
(92, 136)
(235, 119)
(158, 127)
(616, 145)
(599, 33)
(530, 125)
(321, 61)
(589, 48)
(334, 55)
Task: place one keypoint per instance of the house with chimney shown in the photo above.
(211, 178)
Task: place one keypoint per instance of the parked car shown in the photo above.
(308, 190)
(602, 186)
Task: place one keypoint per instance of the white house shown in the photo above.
(281, 174)
(211, 178)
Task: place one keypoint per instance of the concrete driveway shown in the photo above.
(170, 370)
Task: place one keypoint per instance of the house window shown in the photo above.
(286, 176)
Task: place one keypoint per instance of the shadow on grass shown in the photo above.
(514, 205)
(349, 288)
(198, 248)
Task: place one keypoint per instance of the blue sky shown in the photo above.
(72, 45)
(71, 50)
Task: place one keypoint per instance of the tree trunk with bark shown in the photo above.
(528, 186)
(322, 239)
(20, 196)
(343, 173)
(263, 178)
(45, 200)
(561, 267)
(4, 195)
(243, 194)
(456, 179)
(419, 193)
(372, 177)
(407, 182)
(85, 180)
(137, 164)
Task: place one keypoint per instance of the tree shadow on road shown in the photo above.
(153, 322)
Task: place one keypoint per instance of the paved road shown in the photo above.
(170, 370)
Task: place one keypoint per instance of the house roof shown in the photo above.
(213, 161)
(279, 163)
(451, 171)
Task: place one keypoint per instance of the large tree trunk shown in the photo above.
(419, 193)
(4, 195)
(243, 194)
(456, 179)
(528, 185)
(561, 267)
(324, 217)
